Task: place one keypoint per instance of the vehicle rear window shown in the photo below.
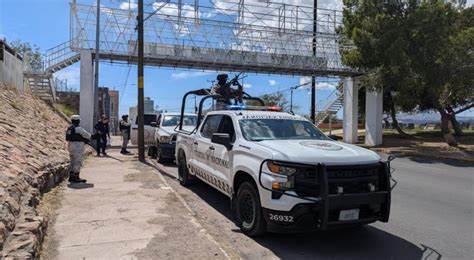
(147, 119)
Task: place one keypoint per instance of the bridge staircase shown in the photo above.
(41, 81)
(332, 106)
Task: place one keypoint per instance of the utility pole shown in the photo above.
(96, 65)
(141, 132)
(291, 95)
(313, 78)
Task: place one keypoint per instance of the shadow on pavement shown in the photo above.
(356, 243)
(428, 160)
(79, 186)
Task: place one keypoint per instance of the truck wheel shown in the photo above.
(159, 155)
(183, 172)
(249, 211)
(152, 151)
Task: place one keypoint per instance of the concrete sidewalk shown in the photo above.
(126, 210)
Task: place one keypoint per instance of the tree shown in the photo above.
(30, 53)
(419, 52)
(380, 36)
(274, 99)
(441, 51)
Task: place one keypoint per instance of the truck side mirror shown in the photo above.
(334, 137)
(223, 139)
(154, 124)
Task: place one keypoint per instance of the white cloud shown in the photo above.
(305, 80)
(190, 74)
(171, 10)
(128, 5)
(326, 85)
(319, 85)
(272, 82)
(247, 85)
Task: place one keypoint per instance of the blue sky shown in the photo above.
(45, 23)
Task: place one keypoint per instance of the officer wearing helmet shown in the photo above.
(125, 129)
(76, 137)
(223, 88)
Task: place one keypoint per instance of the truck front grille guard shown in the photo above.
(322, 178)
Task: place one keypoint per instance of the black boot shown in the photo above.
(79, 179)
(73, 178)
(123, 151)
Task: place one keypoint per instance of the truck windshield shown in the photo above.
(174, 120)
(279, 129)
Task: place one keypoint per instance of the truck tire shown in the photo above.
(183, 171)
(249, 211)
(152, 151)
(159, 155)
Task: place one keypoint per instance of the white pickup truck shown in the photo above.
(282, 174)
(165, 136)
(149, 129)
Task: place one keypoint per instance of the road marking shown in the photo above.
(193, 218)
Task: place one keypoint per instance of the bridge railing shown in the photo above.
(254, 31)
(58, 54)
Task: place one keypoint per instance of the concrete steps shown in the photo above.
(41, 85)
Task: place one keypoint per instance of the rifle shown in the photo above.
(235, 81)
(239, 92)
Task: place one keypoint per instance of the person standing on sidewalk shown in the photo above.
(102, 129)
(76, 137)
(125, 127)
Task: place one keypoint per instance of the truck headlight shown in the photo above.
(165, 139)
(280, 169)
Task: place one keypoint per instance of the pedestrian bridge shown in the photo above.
(229, 35)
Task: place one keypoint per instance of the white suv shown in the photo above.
(283, 174)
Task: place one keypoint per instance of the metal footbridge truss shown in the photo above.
(238, 35)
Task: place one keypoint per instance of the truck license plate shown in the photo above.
(350, 214)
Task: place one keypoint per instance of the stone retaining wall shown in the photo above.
(33, 159)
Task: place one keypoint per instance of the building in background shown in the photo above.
(132, 113)
(109, 106)
(149, 106)
(114, 111)
(11, 67)
(104, 101)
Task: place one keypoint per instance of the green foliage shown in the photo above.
(30, 53)
(274, 99)
(67, 110)
(419, 52)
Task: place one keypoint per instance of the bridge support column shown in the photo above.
(350, 109)
(373, 117)
(86, 105)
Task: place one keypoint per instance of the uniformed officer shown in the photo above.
(125, 127)
(223, 88)
(102, 128)
(76, 137)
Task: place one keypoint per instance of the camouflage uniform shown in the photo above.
(76, 150)
(76, 137)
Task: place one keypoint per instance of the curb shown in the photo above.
(195, 221)
(415, 154)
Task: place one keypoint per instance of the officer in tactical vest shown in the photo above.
(76, 137)
(102, 129)
(125, 128)
(223, 88)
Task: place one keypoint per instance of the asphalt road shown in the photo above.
(432, 217)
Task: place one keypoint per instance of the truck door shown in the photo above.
(220, 161)
(202, 151)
